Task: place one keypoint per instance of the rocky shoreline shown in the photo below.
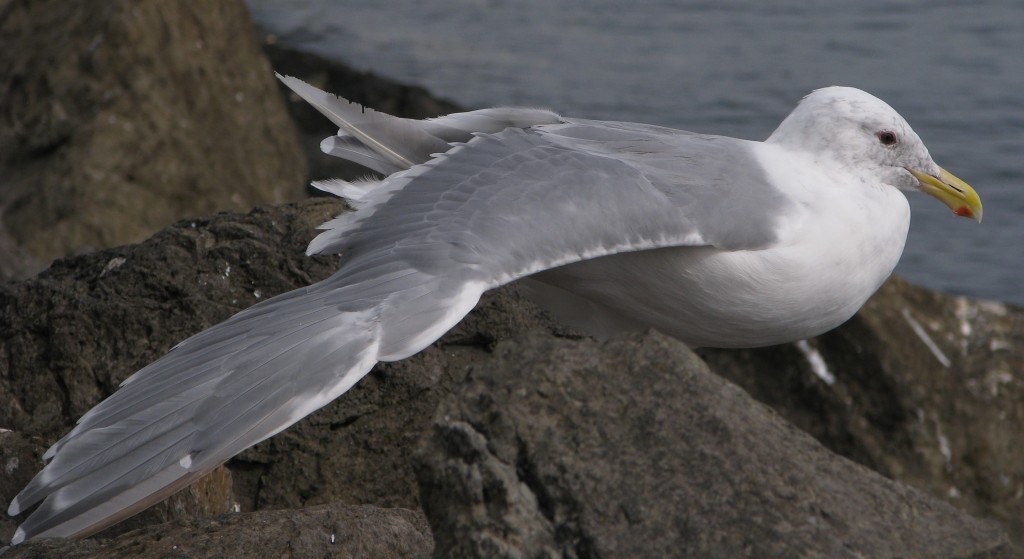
(894, 435)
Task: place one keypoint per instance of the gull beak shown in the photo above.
(953, 192)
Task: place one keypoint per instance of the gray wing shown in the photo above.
(418, 255)
(715, 180)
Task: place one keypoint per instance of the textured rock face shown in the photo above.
(15, 262)
(361, 532)
(927, 390)
(634, 448)
(71, 334)
(120, 117)
(19, 461)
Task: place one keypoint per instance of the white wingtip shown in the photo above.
(15, 508)
(19, 536)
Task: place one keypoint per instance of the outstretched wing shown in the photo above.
(417, 259)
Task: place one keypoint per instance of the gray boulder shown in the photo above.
(119, 117)
(633, 448)
(360, 532)
(926, 389)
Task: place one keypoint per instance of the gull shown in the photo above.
(611, 226)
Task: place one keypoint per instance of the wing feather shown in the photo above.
(350, 148)
(395, 139)
(427, 242)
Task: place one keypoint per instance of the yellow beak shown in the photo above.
(953, 192)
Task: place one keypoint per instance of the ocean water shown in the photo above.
(954, 69)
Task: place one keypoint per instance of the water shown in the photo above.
(955, 70)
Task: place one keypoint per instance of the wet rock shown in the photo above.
(361, 532)
(633, 448)
(120, 117)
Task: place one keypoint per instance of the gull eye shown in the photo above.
(887, 138)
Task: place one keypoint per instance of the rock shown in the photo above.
(15, 262)
(361, 532)
(19, 462)
(357, 448)
(120, 117)
(927, 390)
(633, 448)
(110, 131)
(70, 335)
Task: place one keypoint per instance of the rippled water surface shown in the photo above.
(955, 70)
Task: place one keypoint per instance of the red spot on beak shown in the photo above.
(964, 211)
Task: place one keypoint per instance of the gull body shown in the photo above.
(717, 241)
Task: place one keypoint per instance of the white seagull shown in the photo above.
(716, 241)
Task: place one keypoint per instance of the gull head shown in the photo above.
(864, 135)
